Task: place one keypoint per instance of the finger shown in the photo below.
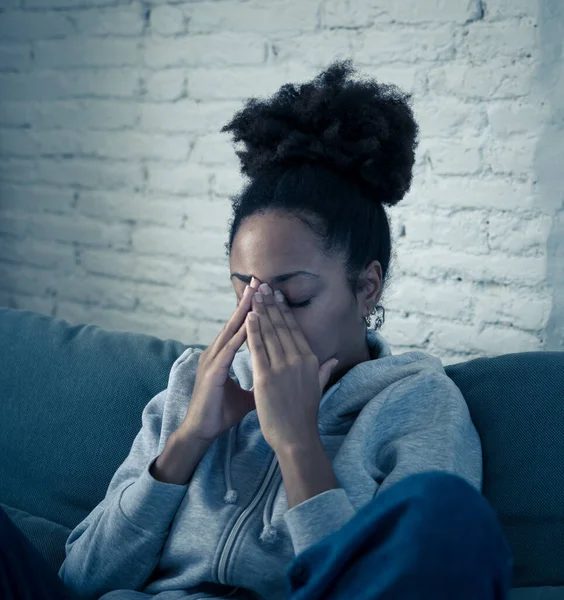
(280, 326)
(274, 348)
(259, 358)
(293, 327)
(226, 354)
(234, 323)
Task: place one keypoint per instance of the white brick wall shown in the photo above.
(115, 180)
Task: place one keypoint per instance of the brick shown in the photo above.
(126, 21)
(262, 16)
(37, 253)
(508, 117)
(519, 234)
(449, 118)
(185, 115)
(498, 79)
(454, 158)
(505, 9)
(216, 49)
(467, 192)
(169, 20)
(14, 58)
(409, 330)
(35, 198)
(179, 179)
(33, 303)
(214, 149)
(404, 44)
(26, 26)
(18, 170)
(60, 4)
(92, 289)
(72, 228)
(227, 182)
(189, 244)
(70, 114)
(433, 11)
(165, 85)
(436, 264)
(504, 305)
(514, 158)
(336, 14)
(129, 266)
(25, 279)
(205, 212)
(84, 173)
(312, 49)
(84, 52)
(486, 41)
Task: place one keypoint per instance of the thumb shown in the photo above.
(325, 371)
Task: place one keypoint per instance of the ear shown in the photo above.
(372, 277)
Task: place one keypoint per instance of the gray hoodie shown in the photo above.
(228, 532)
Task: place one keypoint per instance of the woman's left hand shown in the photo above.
(287, 379)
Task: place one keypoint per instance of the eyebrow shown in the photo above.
(277, 278)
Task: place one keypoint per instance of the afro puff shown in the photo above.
(363, 128)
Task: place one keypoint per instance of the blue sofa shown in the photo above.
(71, 398)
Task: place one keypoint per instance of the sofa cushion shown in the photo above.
(71, 404)
(517, 404)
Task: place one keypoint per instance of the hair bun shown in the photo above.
(363, 128)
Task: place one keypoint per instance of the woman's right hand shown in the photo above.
(218, 402)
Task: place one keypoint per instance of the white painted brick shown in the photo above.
(413, 329)
(525, 308)
(214, 149)
(434, 11)
(26, 280)
(498, 79)
(206, 212)
(58, 85)
(35, 198)
(216, 49)
(86, 173)
(404, 44)
(312, 49)
(448, 299)
(260, 16)
(186, 243)
(14, 223)
(463, 230)
(14, 57)
(168, 84)
(45, 305)
(91, 289)
(85, 52)
(507, 117)
(50, 4)
(434, 263)
(129, 266)
(486, 41)
(407, 78)
(454, 157)
(335, 14)
(110, 21)
(491, 341)
(125, 205)
(18, 170)
(466, 192)
(515, 157)
(504, 9)
(71, 228)
(38, 253)
(449, 118)
(169, 20)
(519, 233)
(244, 82)
(70, 114)
(186, 115)
(26, 26)
(183, 179)
(227, 182)
(94, 144)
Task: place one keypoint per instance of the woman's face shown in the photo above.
(273, 248)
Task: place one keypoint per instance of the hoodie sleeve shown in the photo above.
(422, 424)
(118, 545)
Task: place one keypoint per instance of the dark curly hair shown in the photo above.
(330, 152)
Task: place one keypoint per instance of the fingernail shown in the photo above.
(258, 297)
(265, 289)
(279, 296)
(253, 282)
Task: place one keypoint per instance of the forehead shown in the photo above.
(269, 244)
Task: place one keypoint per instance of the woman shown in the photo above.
(277, 471)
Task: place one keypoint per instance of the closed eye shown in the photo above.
(292, 305)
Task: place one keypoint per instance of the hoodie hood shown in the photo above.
(340, 404)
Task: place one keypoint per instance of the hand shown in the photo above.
(218, 402)
(288, 381)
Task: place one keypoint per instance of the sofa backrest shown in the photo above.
(71, 398)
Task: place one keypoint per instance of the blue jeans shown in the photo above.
(431, 536)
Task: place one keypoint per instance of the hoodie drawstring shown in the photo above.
(269, 533)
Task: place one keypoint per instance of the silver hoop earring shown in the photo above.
(379, 321)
